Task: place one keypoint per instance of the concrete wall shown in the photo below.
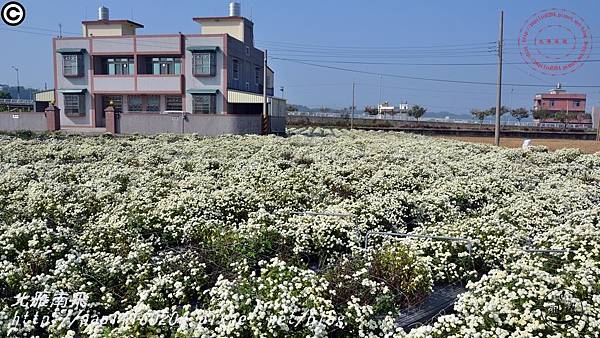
(596, 117)
(157, 45)
(162, 83)
(23, 121)
(278, 115)
(110, 45)
(234, 28)
(205, 82)
(208, 125)
(248, 64)
(65, 83)
(103, 29)
(114, 83)
(278, 124)
(278, 107)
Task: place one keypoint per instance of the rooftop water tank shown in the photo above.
(102, 13)
(235, 9)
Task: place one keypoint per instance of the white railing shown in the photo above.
(16, 101)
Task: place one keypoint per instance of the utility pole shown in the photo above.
(265, 119)
(380, 91)
(510, 105)
(499, 101)
(353, 106)
(18, 84)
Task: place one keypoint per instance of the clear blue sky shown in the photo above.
(387, 28)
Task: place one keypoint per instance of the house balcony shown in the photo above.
(148, 84)
(114, 83)
(160, 83)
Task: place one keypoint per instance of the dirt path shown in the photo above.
(589, 147)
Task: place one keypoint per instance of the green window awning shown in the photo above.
(202, 91)
(71, 50)
(72, 91)
(203, 48)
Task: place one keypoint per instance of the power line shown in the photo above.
(303, 53)
(428, 64)
(470, 46)
(163, 44)
(429, 79)
(372, 47)
(477, 94)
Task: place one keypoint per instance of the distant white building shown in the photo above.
(385, 108)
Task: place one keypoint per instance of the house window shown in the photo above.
(165, 66)
(74, 104)
(204, 64)
(577, 103)
(120, 66)
(247, 50)
(204, 104)
(552, 103)
(73, 65)
(134, 103)
(153, 103)
(117, 103)
(174, 103)
(236, 69)
(247, 86)
(257, 76)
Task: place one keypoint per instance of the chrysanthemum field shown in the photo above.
(185, 236)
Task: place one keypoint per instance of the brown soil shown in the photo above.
(589, 147)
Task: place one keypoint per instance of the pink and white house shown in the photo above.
(218, 71)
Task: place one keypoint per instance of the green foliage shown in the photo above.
(408, 277)
(520, 113)
(480, 114)
(541, 114)
(492, 111)
(417, 111)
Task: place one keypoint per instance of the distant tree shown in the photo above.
(292, 108)
(371, 110)
(562, 117)
(565, 117)
(540, 114)
(519, 114)
(324, 109)
(503, 110)
(417, 112)
(5, 95)
(480, 114)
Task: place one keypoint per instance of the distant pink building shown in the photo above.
(558, 100)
